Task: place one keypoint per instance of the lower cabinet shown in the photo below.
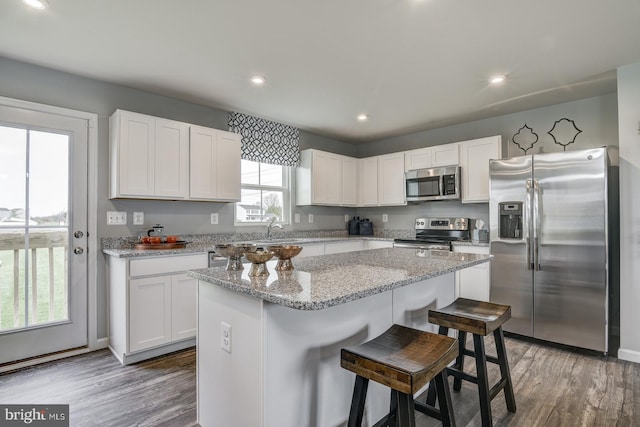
(152, 305)
(474, 282)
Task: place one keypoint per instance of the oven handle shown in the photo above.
(422, 246)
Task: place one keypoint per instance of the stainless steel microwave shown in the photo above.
(433, 184)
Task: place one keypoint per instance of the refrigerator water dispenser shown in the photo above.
(510, 220)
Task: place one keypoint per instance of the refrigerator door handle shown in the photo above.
(528, 223)
(536, 224)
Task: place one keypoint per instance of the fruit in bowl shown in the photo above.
(172, 239)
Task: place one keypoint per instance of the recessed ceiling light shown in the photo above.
(258, 80)
(363, 117)
(36, 4)
(497, 79)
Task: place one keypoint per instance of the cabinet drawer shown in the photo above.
(165, 265)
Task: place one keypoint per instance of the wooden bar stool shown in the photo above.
(405, 360)
(480, 319)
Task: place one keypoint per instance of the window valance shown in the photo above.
(266, 141)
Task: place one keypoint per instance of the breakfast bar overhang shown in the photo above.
(281, 366)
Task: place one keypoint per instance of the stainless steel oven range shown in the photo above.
(436, 233)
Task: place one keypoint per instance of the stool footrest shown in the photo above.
(462, 375)
(497, 388)
(428, 410)
(387, 420)
(492, 359)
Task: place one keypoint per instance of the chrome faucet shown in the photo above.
(271, 225)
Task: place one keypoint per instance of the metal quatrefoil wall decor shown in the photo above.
(566, 130)
(525, 138)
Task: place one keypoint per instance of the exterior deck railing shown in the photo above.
(45, 262)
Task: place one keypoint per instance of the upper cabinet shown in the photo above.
(474, 163)
(149, 157)
(214, 160)
(325, 179)
(431, 157)
(368, 181)
(155, 158)
(391, 179)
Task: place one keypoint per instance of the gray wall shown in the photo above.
(629, 129)
(596, 117)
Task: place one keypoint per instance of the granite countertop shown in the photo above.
(127, 251)
(324, 281)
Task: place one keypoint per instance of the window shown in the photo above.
(265, 193)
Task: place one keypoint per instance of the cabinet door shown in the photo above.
(391, 179)
(474, 282)
(445, 155)
(368, 181)
(311, 250)
(418, 159)
(377, 244)
(342, 247)
(149, 312)
(349, 181)
(135, 161)
(228, 166)
(183, 306)
(474, 162)
(326, 171)
(171, 159)
(203, 180)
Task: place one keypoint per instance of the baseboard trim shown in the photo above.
(43, 359)
(629, 355)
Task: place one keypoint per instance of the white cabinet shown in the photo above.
(154, 158)
(152, 305)
(474, 165)
(391, 179)
(378, 244)
(368, 181)
(430, 157)
(325, 179)
(214, 164)
(342, 247)
(474, 282)
(148, 157)
(311, 250)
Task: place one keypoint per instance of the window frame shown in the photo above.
(286, 197)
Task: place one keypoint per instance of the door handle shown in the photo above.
(78, 234)
(537, 224)
(527, 225)
(78, 250)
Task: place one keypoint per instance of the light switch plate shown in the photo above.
(116, 218)
(214, 218)
(310, 218)
(225, 336)
(296, 218)
(346, 217)
(138, 218)
(385, 218)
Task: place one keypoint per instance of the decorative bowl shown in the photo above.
(234, 253)
(258, 259)
(284, 253)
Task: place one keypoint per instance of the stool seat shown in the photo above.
(476, 317)
(402, 358)
(405, 360)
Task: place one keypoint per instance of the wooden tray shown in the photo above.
(147, 246)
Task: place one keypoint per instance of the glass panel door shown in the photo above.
(42, 203)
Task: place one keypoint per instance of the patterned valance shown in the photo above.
(266, 141)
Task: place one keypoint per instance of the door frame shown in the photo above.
(93, 343)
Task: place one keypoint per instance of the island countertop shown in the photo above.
(320, 282)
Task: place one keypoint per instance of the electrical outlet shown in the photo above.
(385, 218)
(310, 218)
(225, 336)
(296, 218)
(214, 218)
(116, 218)
(346, 217)
(138, 218)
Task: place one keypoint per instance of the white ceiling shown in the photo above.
(410, 64)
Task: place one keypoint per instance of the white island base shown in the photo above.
(284, 366)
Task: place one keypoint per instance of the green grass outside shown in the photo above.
(7, 282)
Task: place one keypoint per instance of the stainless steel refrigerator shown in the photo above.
(548, 234)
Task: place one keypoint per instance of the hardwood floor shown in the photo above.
(553, 387)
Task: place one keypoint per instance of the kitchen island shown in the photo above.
(284, 332)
